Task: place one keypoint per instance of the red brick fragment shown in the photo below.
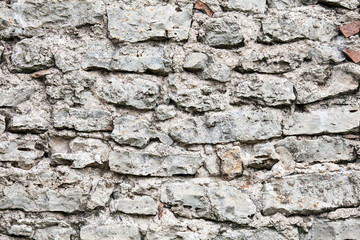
(199, 5)
(350, 29)
(352, 54)
(160, 210)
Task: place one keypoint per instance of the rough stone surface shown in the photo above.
(332, 120)
(294, 26)
(263, 89)
(134, 24)
(147, 164)
(192, 120)
(301, 194)
(110, 232)
(138, 205)
(245, 125)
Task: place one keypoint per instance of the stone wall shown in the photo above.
(145, 119)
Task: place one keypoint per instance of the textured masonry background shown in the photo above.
(148, 119)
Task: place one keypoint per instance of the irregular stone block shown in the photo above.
(100, 194)
(271, 59)
(130, 130)
(110, 232)
(15, 95)
(324, 149)
(319, 83)
(323, 229)
(40, 199)
(83, 152)
(217, 72)
(262, 89)
(164, 112)
(304, 194)
(143, 205)
(291, 26)
(350, 4)
(258, 234)
(322, 121)
(241, 125)
(326, 53)
(151, 60)
(195, 61)
(83, 120)
(192, 200)
(138, 92)
(55, 233)
(2, 124)
(19, 150)
(30, 55)
(43, 13)
(26, 123)
(135, 24)
(284, 4)
(220, 33)
(147, 164)
(21, 230)
(231, 164)
(201, 99)
(256, 6)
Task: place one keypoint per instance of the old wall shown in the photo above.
(145, 119)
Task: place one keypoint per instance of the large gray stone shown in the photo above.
(195, 61)
(83, 120)
(147, 164)
(256, 6)
(319, 83)
(135, 24)
(245, 234)
(304, 194)
(350, 4)
(217, 72)
(100, 194)
(28, 123)
(110, 232)
(53, 13)
(323, 229)
(30, 55)
(139, 60)
(83, 152)
(133, 131)
(262, 89)
(19, 150)
(284, 4)
(143, 205)
(2, 124)
(138, 92)
(273, 59)
(165, 112)
(222, 204)
(322, 121)
(240, 125)
(291, 26)
(10, 97)
(42, 199)
(54, 233)
(221, 33)
(324, 149)
(21, 230)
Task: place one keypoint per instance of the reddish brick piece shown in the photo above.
(199, 5)
(350, 29)
(352, 54)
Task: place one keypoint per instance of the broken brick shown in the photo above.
(199, 5)
(350, 29)
(352, 54)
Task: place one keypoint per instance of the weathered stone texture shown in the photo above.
(83, 120)
(241, 125)
(138, 205)
(11, 97)
(331, 120)
(257, 6)
(302, 194)
(2, 124)
(263, 89)
(147, 164)
(110, 232)
(223, 204)
(350, 4)
(134, 24)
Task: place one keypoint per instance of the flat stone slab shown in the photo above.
(110, 232)
(135, 24)
(306, 194)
